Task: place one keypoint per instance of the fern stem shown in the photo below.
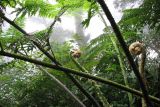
(120, 61)
(123, 71)
(141, 65)
(96, 86)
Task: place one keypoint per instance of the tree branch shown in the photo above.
(125, 48)
(82, 74)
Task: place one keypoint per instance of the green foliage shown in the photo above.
(62, 53)
(92, 11)
(75, 4)
(71, 3)
(40, 91)
(46, 9)
(23, 84)
(98, 44)
(146, 14)
(34, 7)
(15, 41)
(4, 3)
(131, 16)
(12, 32)
(15, 73)
(143, 23)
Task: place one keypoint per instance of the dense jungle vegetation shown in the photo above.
(36, 70)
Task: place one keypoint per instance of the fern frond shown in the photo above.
(11, 3)
(38, 7)
(98, 45)
(132, 16)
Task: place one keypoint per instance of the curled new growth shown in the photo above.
(76, 53)
(136, 48)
